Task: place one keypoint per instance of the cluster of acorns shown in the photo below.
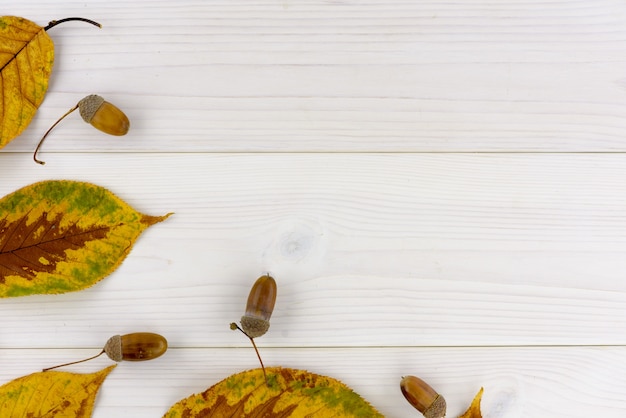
(141, 346)
(255, 322)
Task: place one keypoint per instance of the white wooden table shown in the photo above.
(439, 189)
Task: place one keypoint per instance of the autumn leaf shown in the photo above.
(290, 393)
(51, 394)
(474, 410)
(61, 236)
(26, 59)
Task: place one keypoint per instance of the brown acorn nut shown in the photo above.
(103, 116)
(138, 346)
(423, 397)
(96, 111)
(261, 301)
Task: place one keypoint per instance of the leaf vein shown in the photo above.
(23, 83)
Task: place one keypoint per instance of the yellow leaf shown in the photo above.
(291, 393)
(474, 410)
(26, 59)
(61, 236)
(51, 394)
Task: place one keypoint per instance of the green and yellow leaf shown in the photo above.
(51, 394)
(62, 236)
(290, 393)
(26, 59)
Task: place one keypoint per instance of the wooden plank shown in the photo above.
(368, 249)
(352, 77)
(437, 187)
(576, 382)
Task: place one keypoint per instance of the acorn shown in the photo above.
(256, 320)
(423, 397)
(261, 300)
(103, 116)
(138, 346)
(96, 111)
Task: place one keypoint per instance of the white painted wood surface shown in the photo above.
(438, 188)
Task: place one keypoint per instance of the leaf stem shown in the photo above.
(47, 132)
(234, 326)
(74, 362)
(53, 23)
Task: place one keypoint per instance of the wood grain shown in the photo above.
(438, 188)
(412, 249)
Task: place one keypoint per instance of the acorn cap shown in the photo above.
(437, 409)
(89, 105)
(254, 327)
(113, 348)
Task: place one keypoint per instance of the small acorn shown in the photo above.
(256, 320)
(138, 346)
(103, 116)
(96, 111)
(423, 397)
(261, 301)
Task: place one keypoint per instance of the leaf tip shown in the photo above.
(109, 369)
(151, 220)
(474, 409)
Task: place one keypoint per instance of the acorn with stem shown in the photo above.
(138, 346)
(96, 111)
(256, 320)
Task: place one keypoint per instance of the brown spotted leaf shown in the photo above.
(474, 410)
(290, 393)
(62, 236)
(51, 394)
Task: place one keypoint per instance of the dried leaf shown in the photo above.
(26, 59)
(51, 394)
(62, 236)
(474, 410)
(291, 393)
